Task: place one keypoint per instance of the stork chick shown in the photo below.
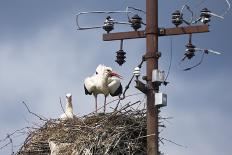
(68, 109)
(105, 82)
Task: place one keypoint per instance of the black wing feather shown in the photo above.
(87, 92)
(118, 91)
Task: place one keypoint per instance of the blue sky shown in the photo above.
(43, 57)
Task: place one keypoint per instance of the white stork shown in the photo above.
(68, 109)
(104, 81)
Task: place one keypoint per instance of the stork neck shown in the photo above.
(69, 107)
(104, 79)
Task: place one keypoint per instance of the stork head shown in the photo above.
(69, 97)
(106, 71)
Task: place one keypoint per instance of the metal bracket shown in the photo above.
(156, 86)
(149, 56)
(141, 86)
(149, 86)
(162, 31)
(145, 78)
(145, 87)
(150, 30)
(152, 55)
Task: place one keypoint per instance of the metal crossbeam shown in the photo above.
(162, 32)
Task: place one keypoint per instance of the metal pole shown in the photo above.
(152, 63)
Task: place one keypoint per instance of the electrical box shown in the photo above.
(160, 99)
(158, 76)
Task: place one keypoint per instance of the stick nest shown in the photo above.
(119, 132)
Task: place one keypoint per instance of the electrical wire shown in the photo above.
(128, 12)
(129, 7)
(188, 8)
(98, 12)
(196, 65)
(199, 4)
(127, 86)
(228, 9)
(214, 14)
(170, 62)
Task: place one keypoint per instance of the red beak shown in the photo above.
(115, 74)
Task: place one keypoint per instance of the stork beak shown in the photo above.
(116, 74)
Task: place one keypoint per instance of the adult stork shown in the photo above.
(68, 114)
(104, 81)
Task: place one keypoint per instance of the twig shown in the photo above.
(43, 119)
(13, 133)
(12, 146)
(5, 145)
(93, 112)
(120, 132)
(173, 142)
(10, 142)
(62, 107)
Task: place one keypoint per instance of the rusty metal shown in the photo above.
(158, 55)
(186, 30)
(150, 56)
(123, 35)
(162, 32)
(152, 47)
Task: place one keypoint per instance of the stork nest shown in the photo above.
(119, 132)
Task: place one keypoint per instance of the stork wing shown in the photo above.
(114, 86)
(89, 85)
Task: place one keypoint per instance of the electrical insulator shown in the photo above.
(177, 18)
(136, 72)
(136, 22)
(108, 24)
(120, 58)
(190, 50)
(205, 16)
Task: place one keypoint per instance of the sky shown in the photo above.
(43, 56)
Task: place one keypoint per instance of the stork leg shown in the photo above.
(105, 105)
(95, 96)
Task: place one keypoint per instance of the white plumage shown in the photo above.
(68, 109)
(114, 84)
(104, 81)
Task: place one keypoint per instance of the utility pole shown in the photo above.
(151, 33)
(152, 63)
